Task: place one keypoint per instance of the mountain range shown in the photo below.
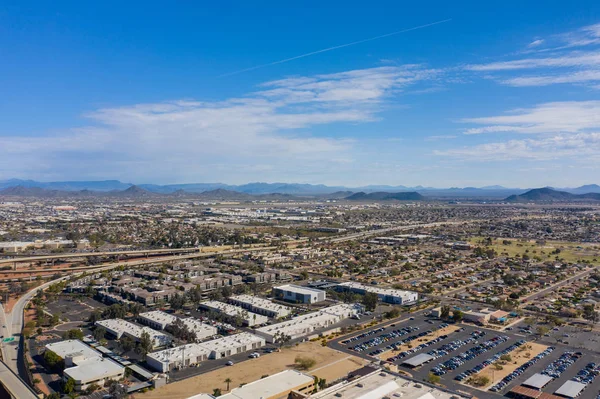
(296, 189)
(549, 195)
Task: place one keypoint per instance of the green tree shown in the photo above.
(127, 343)
(74, 333)
(433, 379)
(217, 392)
(304, 363)
(145, 345)
(69, 386)
(457, 315)
(445, 312)
(53, 361)
(590, 313)
(228, 381)
(99, 333)
(370, 301)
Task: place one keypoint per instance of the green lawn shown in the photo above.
(569, 251)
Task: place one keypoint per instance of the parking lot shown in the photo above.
(72, 308)
(477, 347)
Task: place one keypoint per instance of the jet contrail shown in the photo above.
(334, 48)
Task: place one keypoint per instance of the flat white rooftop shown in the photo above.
(159, 316)
(183, 351)
(298, 289)
(380, 384)
(94, 369)
(270, 386)
(120, 326)
(570, 389)
(537, 381)
(260, 303)
(231, 341)
(377, 290)
(73, 348)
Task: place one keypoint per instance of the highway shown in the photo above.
(207, 250)
(14, 384)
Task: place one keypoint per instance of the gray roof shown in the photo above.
(537, 381)
(418, 360)
(570, 389)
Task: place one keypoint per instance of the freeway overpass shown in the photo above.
(14, 385)
(141, 252)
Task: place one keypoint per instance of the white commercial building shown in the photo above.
(73, 351)
(192, 354)
(84, 365)
(274, 386)
(176, 358)
(382, 384)
(232, 344)
(120, 327)
(260, 306)
(233, 312)
(156, 319)
(94, 371)
(160, 320)
(201, 330)
(297, 294)
(387, 295)
(308, 323)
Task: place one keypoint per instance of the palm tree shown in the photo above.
(228, 381)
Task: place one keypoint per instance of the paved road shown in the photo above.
(553, 287)
(14, 384)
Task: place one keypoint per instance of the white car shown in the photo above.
(229, 363)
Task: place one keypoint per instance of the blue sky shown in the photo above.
(502, 93)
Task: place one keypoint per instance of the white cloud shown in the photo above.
(189, 139)
(586, 36)
(554, 117)
(576, 59)
(558, 147)
(576, 77)
(561, 64)
(440, 137)
(536, 43)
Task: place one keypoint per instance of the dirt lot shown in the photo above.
(417, 342)
(330, 365)
(518, 356)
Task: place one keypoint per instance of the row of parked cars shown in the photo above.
(460, 359)
(560, 365)
(363, 335)
(520, 370)
(397, 344)
(588, 373)
(383, 338)
(489, 361)
(454, 345)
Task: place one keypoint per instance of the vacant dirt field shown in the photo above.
(330, 364)
(518, 356)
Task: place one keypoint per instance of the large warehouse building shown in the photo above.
(261, 306)
(192, 354)
(85, 366)
(120, 327)
(234, 312)
(387, 295)
(297, 294)
(160, 320)
(308, 323)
